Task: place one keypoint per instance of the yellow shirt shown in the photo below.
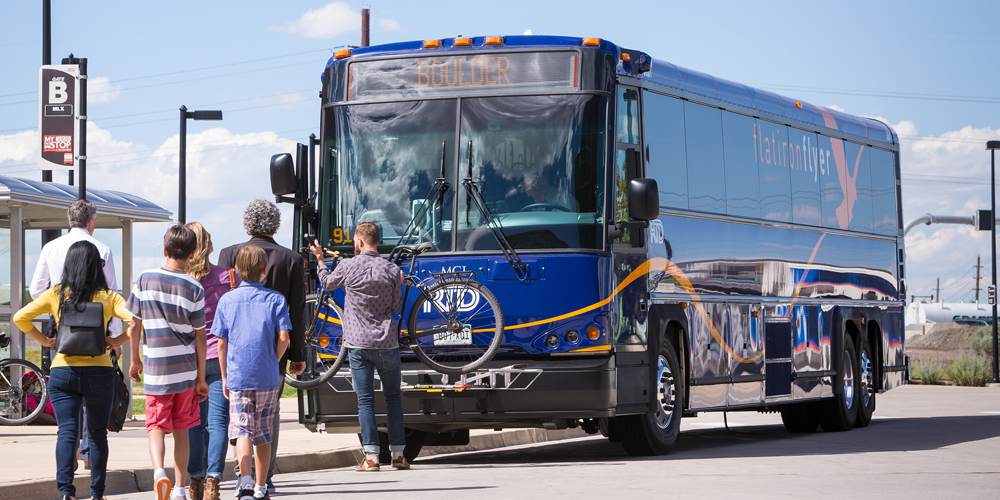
(48, 302)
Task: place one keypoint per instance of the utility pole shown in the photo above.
(938, 292)
(979, 275)
(365, 26)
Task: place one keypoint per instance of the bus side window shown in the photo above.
(663, 126)
(805, 170)
(775, 183)
(883, 176)
(859, 179)
(706, 171)
(742, 178)
(628, 116)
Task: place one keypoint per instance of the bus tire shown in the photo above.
(799, 418)
(866, 381)
(840, 413)
(657, 432)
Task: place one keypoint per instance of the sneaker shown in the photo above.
(211, 488)
(244, 490)
(179, 493)
(162, 485)
(261, 492)
(368, 464)
(399, 463)
(196, 490)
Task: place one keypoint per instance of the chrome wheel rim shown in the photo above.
(867, 384)
(665, 394)
(848, 380)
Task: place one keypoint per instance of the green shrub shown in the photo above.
(982, 343)
(969, 370)
(927, 372)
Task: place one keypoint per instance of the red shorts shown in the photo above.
(173, 412)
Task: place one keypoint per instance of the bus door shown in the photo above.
(629, 308)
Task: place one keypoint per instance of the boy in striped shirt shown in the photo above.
(169, 305)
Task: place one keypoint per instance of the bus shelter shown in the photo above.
(29, 204)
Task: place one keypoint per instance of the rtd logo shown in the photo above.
(807, 156)
(466, 299)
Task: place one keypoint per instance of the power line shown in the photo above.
(193, 70)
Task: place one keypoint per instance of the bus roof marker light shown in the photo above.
(626, 57)
(493, 40)
(432, 44)
(591, 42)
(462, 41)
(342, 53)
(798, 104)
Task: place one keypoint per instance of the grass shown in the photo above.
(969, 371)
(289, 392)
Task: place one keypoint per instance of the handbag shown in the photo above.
(81, 329)
(120, 398)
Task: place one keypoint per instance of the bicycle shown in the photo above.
(22, 384)
(454, 325)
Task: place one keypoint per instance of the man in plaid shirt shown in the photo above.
(252, 325)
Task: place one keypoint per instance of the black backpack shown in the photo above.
(121, 400)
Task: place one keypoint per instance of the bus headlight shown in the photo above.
(552, 340)
(572, 336)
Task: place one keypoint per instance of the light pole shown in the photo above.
(182, 163)
(993, 146)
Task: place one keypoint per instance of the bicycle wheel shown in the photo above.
(324, 348)
(23, 394)
(455, 326)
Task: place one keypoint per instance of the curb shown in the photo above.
(137, 480)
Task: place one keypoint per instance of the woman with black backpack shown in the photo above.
(82, 370)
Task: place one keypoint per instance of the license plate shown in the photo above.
(463, 337)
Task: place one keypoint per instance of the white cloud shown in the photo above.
(528, 32)
(935, 171)
(225, 171)
(332, 20)
(100, 90)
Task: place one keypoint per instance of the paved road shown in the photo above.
(927, 442)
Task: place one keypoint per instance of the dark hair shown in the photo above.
(179, 242)
(368, 232)
(83, 274)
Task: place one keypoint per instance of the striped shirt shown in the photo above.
(171, 306)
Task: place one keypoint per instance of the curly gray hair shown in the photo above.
(261, 218)
(80, 213)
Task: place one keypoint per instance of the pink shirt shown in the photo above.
(216, 283)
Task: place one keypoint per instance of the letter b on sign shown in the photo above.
(57, 92)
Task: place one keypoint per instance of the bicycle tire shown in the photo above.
(9, 391)
(312, 378)
(491, 348)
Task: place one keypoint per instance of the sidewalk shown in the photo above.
(27, 459)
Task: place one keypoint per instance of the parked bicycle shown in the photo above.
(23, 394)
(454, 325)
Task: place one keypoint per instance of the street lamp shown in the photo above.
(182, 163)
(993, 146)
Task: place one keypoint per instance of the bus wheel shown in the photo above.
(799, 418)
(840, 413)
(866, 379)
(657, 432)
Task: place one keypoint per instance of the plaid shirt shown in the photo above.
(374, 297)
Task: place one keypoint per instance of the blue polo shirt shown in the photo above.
(249, 319)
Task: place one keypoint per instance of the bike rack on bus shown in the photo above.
(508, 378)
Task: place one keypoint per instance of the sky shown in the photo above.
(926, 68)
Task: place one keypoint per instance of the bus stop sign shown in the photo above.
(58, 96)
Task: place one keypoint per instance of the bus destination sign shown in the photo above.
(465, 73)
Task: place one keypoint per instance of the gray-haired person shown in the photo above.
(82, 217)
(285, 275)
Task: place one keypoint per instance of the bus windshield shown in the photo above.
(537, 160)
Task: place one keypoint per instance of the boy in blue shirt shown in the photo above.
(252, 325)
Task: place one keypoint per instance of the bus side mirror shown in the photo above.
(643, 199)
(283, 180)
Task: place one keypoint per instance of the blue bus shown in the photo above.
(689, 244)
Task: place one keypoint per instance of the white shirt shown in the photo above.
(48, 271)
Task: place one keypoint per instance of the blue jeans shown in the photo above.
(69, 387)
(364, 364)
(209, 440)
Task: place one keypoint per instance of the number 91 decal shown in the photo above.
(341, 236)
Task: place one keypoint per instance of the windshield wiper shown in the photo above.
(436, 194)
(473, 195)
